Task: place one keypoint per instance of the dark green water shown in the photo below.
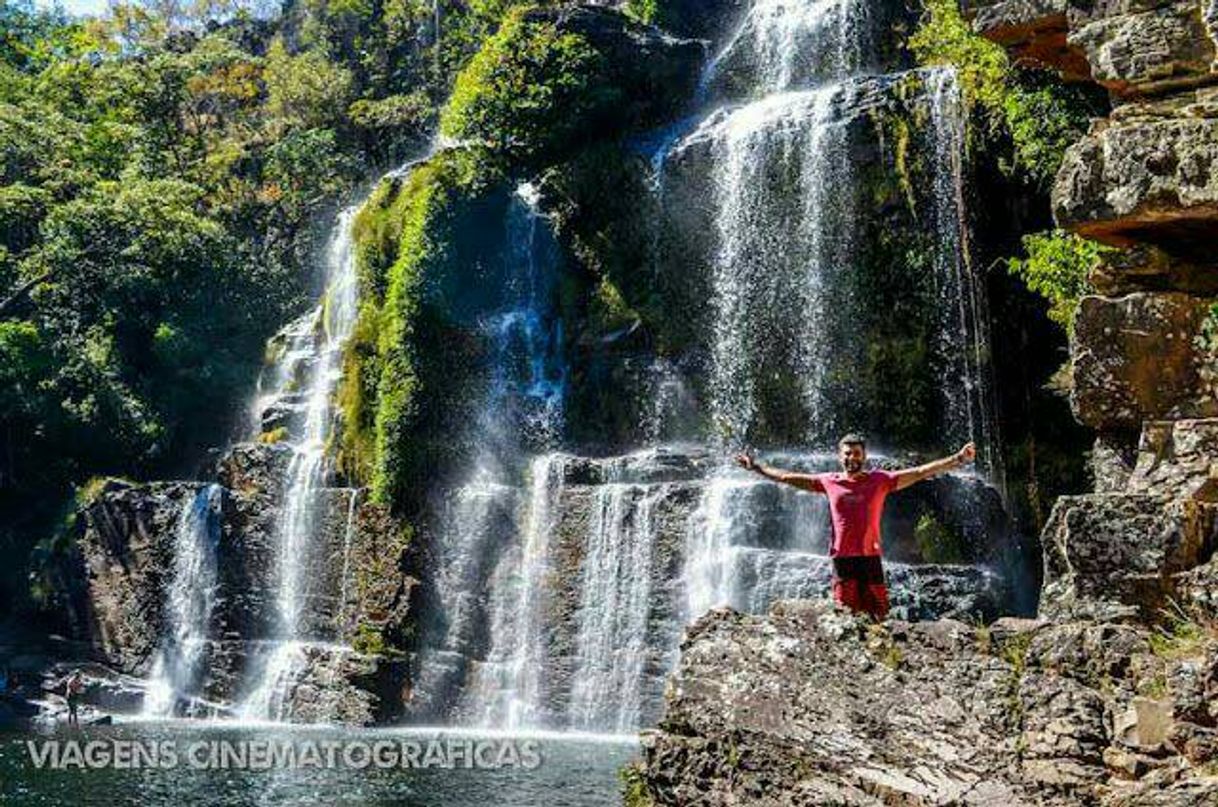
(568, 770)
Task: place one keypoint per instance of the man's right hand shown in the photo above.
(746, 462)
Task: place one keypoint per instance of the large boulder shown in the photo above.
(1150, 173)
(1140, 357)
(122, 554)
(1118, 555)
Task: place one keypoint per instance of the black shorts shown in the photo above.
(867, 569)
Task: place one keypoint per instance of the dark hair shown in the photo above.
(852, 439)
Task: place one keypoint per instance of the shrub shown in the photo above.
(1056, 267)
(530, 90)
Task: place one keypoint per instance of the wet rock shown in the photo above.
(122, 552)
(1139, 357)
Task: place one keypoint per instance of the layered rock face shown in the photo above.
(122, 574)
(812, 706)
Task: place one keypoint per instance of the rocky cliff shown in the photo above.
(1108, 696)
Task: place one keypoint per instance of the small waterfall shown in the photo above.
(175, 682)
(783, 44)
(490, 535)
(964, 333)
(777, 253)
(510, 687)
(330, 325)
(612, 645)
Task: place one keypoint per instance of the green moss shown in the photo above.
(1057, 267)
(634, 787)
(938, 543)
(609, 311)
(1182, 636)
(1039, 114)
(531, 90)
(401, 235)
(273, 436)
(87, 493)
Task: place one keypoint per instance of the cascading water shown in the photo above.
(175, 681)
(314, 351)
(564, 582)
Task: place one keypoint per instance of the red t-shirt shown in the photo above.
(856, 506)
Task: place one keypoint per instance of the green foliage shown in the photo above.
(645, 11)
(530, 90)
(634, 787)
(1043, 119)
(1056, 267)
(304, 90)
(937, 543)
(1041, 116)
(946, 38)
(401, 237)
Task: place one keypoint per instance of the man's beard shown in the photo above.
(852, 466)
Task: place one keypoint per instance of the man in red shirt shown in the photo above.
(856, 502)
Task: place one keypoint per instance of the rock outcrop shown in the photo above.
(812, 706)
(117, 580)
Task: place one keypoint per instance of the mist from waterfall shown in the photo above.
(175, 681)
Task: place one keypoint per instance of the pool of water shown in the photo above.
(180, 763)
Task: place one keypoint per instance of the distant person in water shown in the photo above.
(856, 502)
(74, 686)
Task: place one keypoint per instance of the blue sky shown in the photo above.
(76, 6)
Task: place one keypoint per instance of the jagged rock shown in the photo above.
(1178, 458)
(1198, 589)
(812, 706)
(809, 706)
(1111, 462)
(1141, 46)
(1152, 179)
(1063, 732)
(1033, 31)
(1141, 357)
(1115, 555)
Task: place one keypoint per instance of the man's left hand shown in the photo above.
(967, 454)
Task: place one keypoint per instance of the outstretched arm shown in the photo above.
(806, 482)
(912, 476)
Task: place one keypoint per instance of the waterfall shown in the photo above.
(614, 607)
(964, 331)
(782, 44)
(189, 602)
(319, 359)
(562, 583)
(491, 533)
(775, 255)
